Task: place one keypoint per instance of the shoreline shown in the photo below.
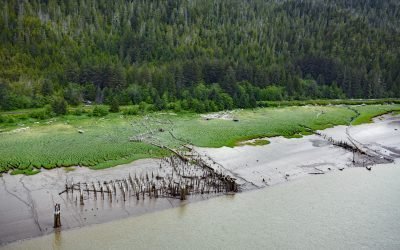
(293, 157)
(295, 206)
(148, 212)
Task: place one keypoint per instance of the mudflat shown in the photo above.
(27, 204)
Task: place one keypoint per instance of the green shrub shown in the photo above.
(131, 111)
(78, 112)
(24, 117)
(11, 119)
(100, 111)
(40, 114)
(272, 93)
(145, 107)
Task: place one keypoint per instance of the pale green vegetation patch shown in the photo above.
(104, 142)
(69, 169)
(256, 142)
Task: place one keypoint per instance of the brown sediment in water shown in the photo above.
(27, 202)
(90, 197)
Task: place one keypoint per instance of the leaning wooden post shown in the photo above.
(66, 186)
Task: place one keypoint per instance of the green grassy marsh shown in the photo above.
(104, 141)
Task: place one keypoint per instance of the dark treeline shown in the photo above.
(202, 55)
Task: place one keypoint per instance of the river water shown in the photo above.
(349, 209)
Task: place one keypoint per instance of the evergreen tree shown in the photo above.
(114, 105)
(59, 106)
(92, 50)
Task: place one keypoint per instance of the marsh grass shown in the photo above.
(105, 141)
(103, 144)
(367, 113)
(260, 123)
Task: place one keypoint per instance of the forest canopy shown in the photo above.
(200, 55)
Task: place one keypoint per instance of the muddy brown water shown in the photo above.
(26, 206)
(27, 202)
(353, 209)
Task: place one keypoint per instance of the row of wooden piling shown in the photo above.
(372, 158)
(342, 144)
(186, 178)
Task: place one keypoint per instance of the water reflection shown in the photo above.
(182, 210)
(57, 239)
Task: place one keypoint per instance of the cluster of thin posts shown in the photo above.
(341, 144)
(174, 178)
(368, 159)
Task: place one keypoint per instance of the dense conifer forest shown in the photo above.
(200, 55)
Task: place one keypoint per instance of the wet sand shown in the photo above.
(27, 202)
(332, 211)
(287, 159)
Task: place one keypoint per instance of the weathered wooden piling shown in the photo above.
(183, 193)
(114, 187)
(94, 191)
(87, 188)
(123, 193)
(108, 186)
(57, 216)
(189, 175)
(154, 190)
(81, 197)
